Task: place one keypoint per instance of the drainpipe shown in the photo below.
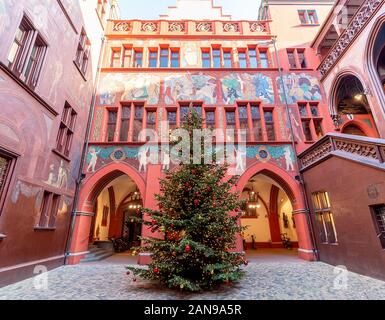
(301, 181)
(84, 152)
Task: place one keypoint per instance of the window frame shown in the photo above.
(315, 121)
(49, 209)
(322, 208)
(66, 131)
(24, 64)
(83, 53)
(380, 234)
(8, 176)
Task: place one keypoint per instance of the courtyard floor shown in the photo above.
(270, 275)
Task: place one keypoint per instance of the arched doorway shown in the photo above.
(116, 207)
(379, 55)
(97, 216)
(268, 216)
(352, 107)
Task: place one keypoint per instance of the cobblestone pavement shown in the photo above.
(286, 278)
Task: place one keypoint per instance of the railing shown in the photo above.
(362, 149)
(189, 27)
(356, 25)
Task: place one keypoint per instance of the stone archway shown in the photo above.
(293, 191)
(92, 187)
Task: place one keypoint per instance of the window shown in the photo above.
(210, 119)
(206, 58)
(256, 121)
(27, 53)
(243, 117)
(184, 110)
(138, 122)
(153, 58)
(217, 58)
(151, 120)
(115, 58)
(175, 58)
(296, 58)
(379, 222)
(111, 125)
(66, 130)
(301, 58)
(83, 52)
(242, 59)
(7, 162)
(49, 210)
(127, 55)
(171, 118)
(269, 124)
(253, 58)
(292, 60)
(324, 217)
(138, 58)
(311, 120)
(164, 57)
(125, 123)
(308, 17)
(227, 58)
(263, 59)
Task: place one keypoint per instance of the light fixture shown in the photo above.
(358, 96)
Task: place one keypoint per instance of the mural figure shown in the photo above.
(62, 177)
(289, 159)
(93, 154)
(245, 86)
(107, 98)
(142, 87)
(51, 177)
(299, 87)
(166, 160)
(58, 73)
(24, 189)
(142, 157)
(189, 55)
(240, 158)
(190, 87)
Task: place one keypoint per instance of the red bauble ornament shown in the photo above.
(209, 189)
(196, 202)
(214, 205)
(193, 171)
(187, 248)
(156, 270)
(153, 222)
(197, 193)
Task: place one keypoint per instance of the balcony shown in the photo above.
(153, 28)
(345, 21)
(369, 151)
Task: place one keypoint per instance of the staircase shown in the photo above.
(99, 251)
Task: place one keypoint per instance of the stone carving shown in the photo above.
(122, 26)
(176, 27)
(316, 154)
(204, 27)
(149, 26)
(231, 27)
(258, 27)
(363, 14)
(359, 149)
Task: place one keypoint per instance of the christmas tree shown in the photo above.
(195, 207)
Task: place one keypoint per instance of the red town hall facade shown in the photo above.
(314, 125)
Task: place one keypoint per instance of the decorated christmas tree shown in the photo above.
(198, 216)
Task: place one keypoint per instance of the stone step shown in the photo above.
(92, 258)
(97, 250)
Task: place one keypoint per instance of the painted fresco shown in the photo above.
(135, 87)
(190, 87)
(140, 157)
(245, 86)
(299, 87)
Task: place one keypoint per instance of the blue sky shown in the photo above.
(150, 9)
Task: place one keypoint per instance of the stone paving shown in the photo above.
(267, 277)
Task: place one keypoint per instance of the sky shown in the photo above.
(150, 9)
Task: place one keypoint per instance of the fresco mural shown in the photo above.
(299, 87)
(189, 55)
(245, 86)
(135, 87)
(140, 157)
(190, 87)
